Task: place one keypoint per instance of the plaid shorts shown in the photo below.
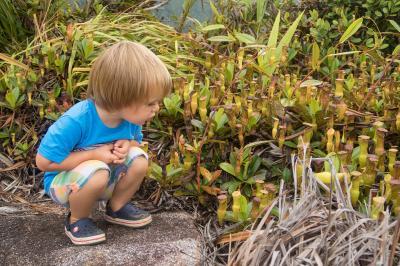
(69, 181)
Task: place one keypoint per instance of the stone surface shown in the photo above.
(31, 239)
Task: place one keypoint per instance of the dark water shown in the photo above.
(170, 13)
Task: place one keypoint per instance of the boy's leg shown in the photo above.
(81, 202)
(119, 210)
(129, 183)
(79, 189)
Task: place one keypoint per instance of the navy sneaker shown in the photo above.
(83, 232)
(128, 215)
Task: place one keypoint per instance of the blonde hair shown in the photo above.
(127, 73)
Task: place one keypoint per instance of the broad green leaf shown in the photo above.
(288, 35)
(315, 56)
(314, 107)
(229, 71)
(290, 144)
(254, 165)
(396, 50)
(220, 118)
(310, 82)
(155, 170)
(231, 186)
(197, 123)
(335, 161)
(214, 9)
(244, 37)
(273, 36)
(213, 27)
(355, 155)
(227, 168)
(261, 4)
(353, 28)
(395, 25)
(174, 171)
(221, 38)
(12, 97)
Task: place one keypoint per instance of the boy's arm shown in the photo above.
(102, 153)
(134, 143)
(72, 161)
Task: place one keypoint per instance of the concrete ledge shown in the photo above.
(27, 239)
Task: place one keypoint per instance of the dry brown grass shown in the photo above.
(318, 229)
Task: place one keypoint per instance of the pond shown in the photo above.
(170, 12)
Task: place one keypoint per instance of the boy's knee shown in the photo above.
(98, 173)
(100, 179)
(139, 166)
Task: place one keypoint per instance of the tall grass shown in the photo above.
(12, 30)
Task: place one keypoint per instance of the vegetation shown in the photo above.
(254, 86)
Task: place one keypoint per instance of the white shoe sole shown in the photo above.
(133, 224)
(90, 240)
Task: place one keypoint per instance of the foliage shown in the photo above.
(246, 86)
(328, 19)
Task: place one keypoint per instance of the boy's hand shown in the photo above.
(105, 153)
(121, 149)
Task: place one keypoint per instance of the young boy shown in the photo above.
(91, 152)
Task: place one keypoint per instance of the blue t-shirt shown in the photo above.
(81, 128)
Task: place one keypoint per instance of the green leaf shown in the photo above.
(214, 9)
(315, 56)
(227, 168)
(310, 82)
(254, 165)
(286, 174)
(261, 5)
(172, 171)
(229, 71)
(396, 50)
(319, 153)
(213, 27)
(221, 38)
(156, 171)
(355, 154)
(353, 28)
(197, 123)
(244, 37)
(335, 161)
(220, 118)
(231, 186)
(273, 37)
(288, 35)
(290, 144)
(314, 107)
(395, 25)
(243, 208)
(12, 98)
(3, 135)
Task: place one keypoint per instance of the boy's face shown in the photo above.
(140, 113)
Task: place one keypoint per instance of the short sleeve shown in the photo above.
(137, 133)
(60, 139)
